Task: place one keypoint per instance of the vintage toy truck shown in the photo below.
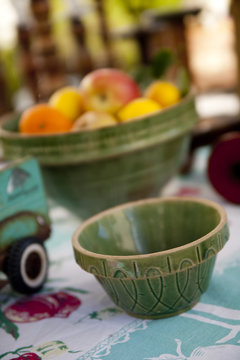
(24, 225)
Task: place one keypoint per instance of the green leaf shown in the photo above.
(94, 315)
(80, 291)
(74, 351)
(143, 76)
(112, 310)
(17, 352)
(8, 326)
(183, 81)
(161, 61)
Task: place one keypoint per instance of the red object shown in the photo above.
(188, 191)
(27, 356)
(224, 167)
(108, 90)
(40, 307)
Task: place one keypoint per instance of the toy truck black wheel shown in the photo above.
(27, 265)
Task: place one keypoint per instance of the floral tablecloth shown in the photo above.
(72, 318)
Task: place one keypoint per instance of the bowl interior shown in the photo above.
(148, 227)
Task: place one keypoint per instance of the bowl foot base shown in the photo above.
(163, 315)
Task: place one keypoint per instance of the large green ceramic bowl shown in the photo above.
(90, 171)
(154, 257)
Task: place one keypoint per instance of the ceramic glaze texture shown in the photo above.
(90, 171)
(153, 257)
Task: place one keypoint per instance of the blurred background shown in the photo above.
(46, 44)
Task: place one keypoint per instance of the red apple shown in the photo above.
(108, 90)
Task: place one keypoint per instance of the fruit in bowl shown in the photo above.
(104, 97)
(89, 171)
(92, 166)
(91, 120)
(138, 107)
(108, 90)
(69, 101)
(43, 119)
(163, 92)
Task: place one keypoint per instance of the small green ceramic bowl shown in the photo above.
(153, 257)
(90, 171)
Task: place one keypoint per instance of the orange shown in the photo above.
(138, 107)
(43, 119)
(163, 92)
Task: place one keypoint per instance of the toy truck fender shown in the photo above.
(24, 225)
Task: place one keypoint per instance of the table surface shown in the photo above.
(73, 318)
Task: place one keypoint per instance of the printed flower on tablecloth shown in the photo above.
(103, 314)
(48, 350)
(188, 191)
(35, 308)
(8, 326)
(27, 356)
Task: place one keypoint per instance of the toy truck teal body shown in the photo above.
(24, 225)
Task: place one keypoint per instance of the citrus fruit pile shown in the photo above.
(105, 97)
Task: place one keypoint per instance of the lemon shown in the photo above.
(138, 107)
(68, 101)
(164, 93)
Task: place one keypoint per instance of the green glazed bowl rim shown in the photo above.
(145, 131)
(97, 257)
